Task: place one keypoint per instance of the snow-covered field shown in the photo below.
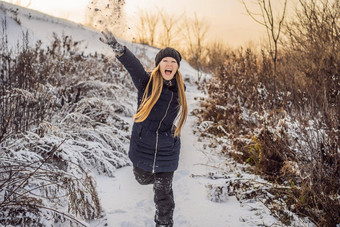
(126, 203)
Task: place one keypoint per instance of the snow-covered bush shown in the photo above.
(63, 118)
(283, 132)
(42, 188)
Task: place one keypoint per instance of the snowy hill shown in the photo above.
(41, 27)
(90, 127)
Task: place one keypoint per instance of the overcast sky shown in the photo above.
(227, 19)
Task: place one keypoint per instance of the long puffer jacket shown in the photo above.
(153, 146)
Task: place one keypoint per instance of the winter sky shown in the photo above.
(227, 19)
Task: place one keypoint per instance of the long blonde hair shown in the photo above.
(148, 101)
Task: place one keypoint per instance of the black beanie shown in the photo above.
(168, 52)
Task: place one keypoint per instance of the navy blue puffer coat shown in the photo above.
(153, 146)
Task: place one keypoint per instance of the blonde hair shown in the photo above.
(148, 101)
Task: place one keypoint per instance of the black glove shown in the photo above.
(110, 40)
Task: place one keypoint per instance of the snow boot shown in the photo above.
(164, 199)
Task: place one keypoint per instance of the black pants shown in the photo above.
(163, 195)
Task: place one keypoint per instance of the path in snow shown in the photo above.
(125, 202)
(128, 204)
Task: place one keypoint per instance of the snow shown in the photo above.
(124, 201)
(128, 204)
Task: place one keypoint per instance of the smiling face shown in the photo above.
(168, 67)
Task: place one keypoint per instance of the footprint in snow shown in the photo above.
(118, 211)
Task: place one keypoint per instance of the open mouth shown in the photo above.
(168, 72)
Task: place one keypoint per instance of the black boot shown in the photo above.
(161, 225)
(164, 199)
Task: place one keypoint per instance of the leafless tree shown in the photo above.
(195, 36)
(147, 27)
(272, 24)
(141, 28)
(313, 39)
(170, 28)
(151, 22)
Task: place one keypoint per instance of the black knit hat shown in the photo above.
(168, 52)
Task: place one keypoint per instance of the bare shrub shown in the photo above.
(29, 189)
(312, 41)
(55, 94)
(24, 98)
(273, 25)
(214, 57)
(285, 141)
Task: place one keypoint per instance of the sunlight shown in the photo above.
(72, 10)
(260, 146)
(227, 20)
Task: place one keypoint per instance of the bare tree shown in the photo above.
(151, 23)
(170, 29)
(266, 18)
(147, 27)
(141, 28)
(195, 36)
(313, 40)
(216, 54)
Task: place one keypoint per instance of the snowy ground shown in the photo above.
(125, 202)
(128, 204)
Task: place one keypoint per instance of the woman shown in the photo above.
(155, 143)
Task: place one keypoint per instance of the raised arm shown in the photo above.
(136, 70)
(138, 74)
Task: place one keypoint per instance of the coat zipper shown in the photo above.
(159, 126)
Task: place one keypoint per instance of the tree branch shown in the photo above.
(31, 174)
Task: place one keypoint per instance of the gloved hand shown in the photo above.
(109, 39)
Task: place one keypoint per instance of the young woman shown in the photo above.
(155, 140)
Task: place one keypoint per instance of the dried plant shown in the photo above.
(293, 142)
(54, 94)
